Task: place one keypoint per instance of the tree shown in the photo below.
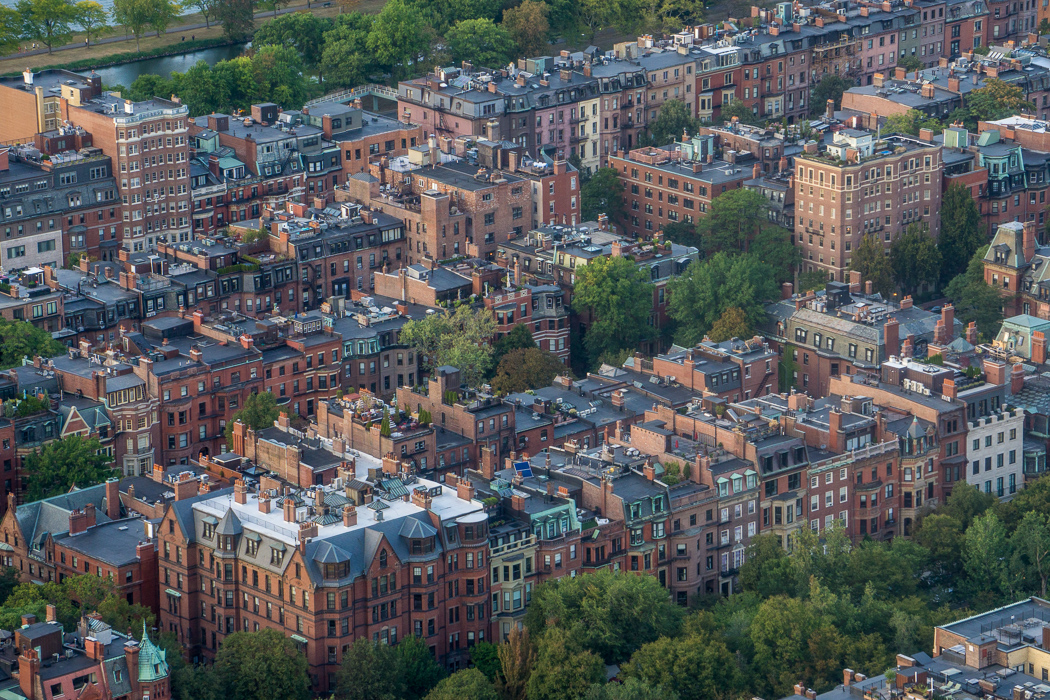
(910, 122)
(813, 280)
(205, 7)
(531, 368)
(484, 656)
(369, 672)
(767, 569)
(966, 503)
(870, 260)
(1031, 547)
(593, 14)
(1044, 26)
(10, 30)
(398, 38)
(671, 122)
(303, 31)
(263, 664)
(519, 338)
(700, 296)
(960, 235)
(914, 258)
(91, 17)
(259, 411)
(602, 194)
(738, 221)
(732, 323)
(134, 15)
(517, 656)
(457, 338)
(563, 670)
(528, 26)
(20, 341)
(985, 554)
(617, 296)
(9, 580)
(468, 683)
(682, 232)
(996, 99)
(911, 64)
(60, 465)
(345, 61)
(696, 666)
(781, 632)
(610, 614)
(942, 536)
(630, 689)
(162, 14)
(122, 616)
(975, 301)
(237, 18)
(277, 74)
(417, 668)
(741, 111)
(480, 41)
(47, 21)
(830, 87)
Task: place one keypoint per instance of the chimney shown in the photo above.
(948, 319)
(265, 505)
(927, 91)
(131, 653)
(28, 671)
(906, 303)
(854, 281)
(349, 516)
(488, 463)
(185, 487)
(1016, 379)
(811, 694)
(1029, 241)
(835, 430)
(786, 290)
(94, 649)
(971, 337)
(240, 492)
(908, 346)
(994, 372)
(465, 490)
(953, 85)
(900, 73)
(81, 519)
(1038, 346)
(891, 337)
(649, 470)
(52, 613)
(878, 80)
(289, 510)
(868, 288)
(926, 135)
(113, 498)
(948, 389)
(847, 677)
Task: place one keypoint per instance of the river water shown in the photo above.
(125, 73)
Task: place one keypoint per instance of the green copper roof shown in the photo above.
(153, 664)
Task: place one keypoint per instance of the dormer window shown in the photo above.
(277, 556)
(338, 570)
(423, 545)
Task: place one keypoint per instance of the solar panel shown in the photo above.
(523, 468)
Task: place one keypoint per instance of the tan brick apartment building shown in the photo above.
(859, 187)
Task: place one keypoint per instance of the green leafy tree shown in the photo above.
(162, 14)
(966, 503)
(610, 614)
(1031, 553)
(48, 21)
(468, 683)
(259, 411)
(700, 296)
(123, 616)
(369, 672)
(602, 194)
(830, 87)
(417, 667)
(485, 657)
(617, 296)
(263, 664)
(398, 38)
(62, 464)
(237, 18)
(302, 31)
(531, 368)
(529, 26)
(910, 64)
(458, 338)
(519, 338)
(345, 60)
(986, 552)
(196, 683)
(996, 99)
(976, 301)
(20, 340)
(813, 280)
(91, 18)
(696, 666)
(738, 109)
(914, 258)
(767, 570)
(1044, 26)
(480, 41)
(9, 579)
(942, 536)
(630, 689)
(593, 15)
(682, 232)
(732, 323)
(870, 260)
(781, 633)
(564, 670)
(1035, 496)
(277, 72)
(960, 235)
(910, 122)
(671, 122)
(135, 16)
(738, 221)
(205, 7)
(10, 30)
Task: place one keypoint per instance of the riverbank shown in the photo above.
(115, 48)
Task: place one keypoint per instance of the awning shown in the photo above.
(722, 480)
(173, 593)
(210, 519)
(253, 536)
(301, 640)
(750, 472)
(279, 546)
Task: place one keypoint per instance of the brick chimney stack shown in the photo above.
(113, 498)
(1038, 347)
(349, 516)
(1016, 379)
(891, 336)
(289, 510)
(971, 335)
(240, 492)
